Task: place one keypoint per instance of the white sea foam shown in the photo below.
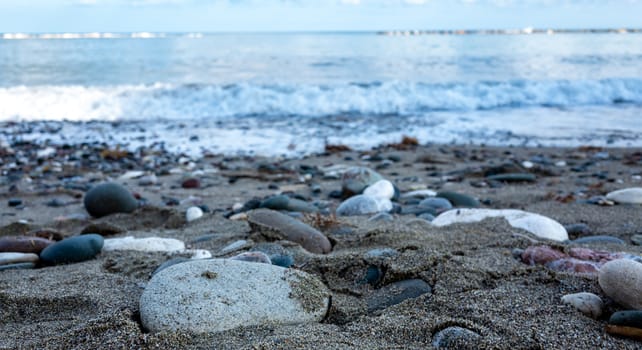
(189, 102)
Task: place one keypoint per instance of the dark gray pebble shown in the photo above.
(578, 229)
(437, 204)
(396, 293)
(14, 202)
(74, 249)
(282, 260)
(513, 177)
(628, 318)
(109, 198)
(459, 200)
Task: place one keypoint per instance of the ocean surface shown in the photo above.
(291, 94)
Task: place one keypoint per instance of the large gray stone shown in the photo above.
(622, 281)
(215, 295)
(109, 198)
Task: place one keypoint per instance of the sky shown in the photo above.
(61, 16)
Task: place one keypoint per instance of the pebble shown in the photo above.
(273, 223)
(14, 202)
(628, 318)
(14, 258)
(220, 294)
(588, 303)
(436, 204)
(256, 257)
(598, 239)
(148, 180)
(380, 253)
(636, 239)
(426, 216)
(283, 202)
(356, 179)
(363, 205)
(513, 177)
(621, 280)
(236, 245)
(73, 249)
(459, 200)
(191, 182)
(455, 337)
(419, 194)
(282, 260)
(193, 213)
(380, 189)
(385, 217)
(23, 244)
(626, 196)
(536, 224)
(578, 229)
(149, 244)
(132, 174)
(109, 198)
(395, 293)
(18, 266)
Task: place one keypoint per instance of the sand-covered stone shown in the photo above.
(109, 198)
(220, 294)
(631, 195)
(622, 281)
(273, 223)
(536, 224)
(588, 303)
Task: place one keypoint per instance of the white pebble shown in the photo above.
(380, 189)
(132, 174)
(193, 213)
(588, 303)
(419, 194)
(13, 258)
(536, 224)
(150, 244)
(527, 164)
(631, 195)
(237, 206)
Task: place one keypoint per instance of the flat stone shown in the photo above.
(277, 225)
(149, 244)
(18, 266)
(598, 239)
(385, 217)
(283, 202)
(74, 249)
(236, 245)
(395, 293)
(588, 303)
(513, 177)
(220, 294)
(419, 194)
(622, 281)
(536, 224)
(459, 200)
(636, 239)
(23, 244)
(255, 257)
(630, 332)
(436, 204)
(363, 205)
(14, 258)
(109, 198)
(626, 196)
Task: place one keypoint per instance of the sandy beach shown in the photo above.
(475, 281)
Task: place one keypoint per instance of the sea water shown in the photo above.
(293, 93)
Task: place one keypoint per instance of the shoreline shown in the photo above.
(475, 281)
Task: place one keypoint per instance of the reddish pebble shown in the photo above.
(23, 244)
(541, 255)
(574, 265)
(191, 183)
(590, 254)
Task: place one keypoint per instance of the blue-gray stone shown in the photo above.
(109, 198)
(459, 200)
(437, 204)
(455, 338)
(396, 293)
(373, 275)
(382, 217)
(599, 239)
(74, 249)
(629, 318)
(426, 216)
(282, 260)
(512, 177)
(283, 202)
(356, 179)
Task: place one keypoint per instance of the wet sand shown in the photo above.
(476, 282)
